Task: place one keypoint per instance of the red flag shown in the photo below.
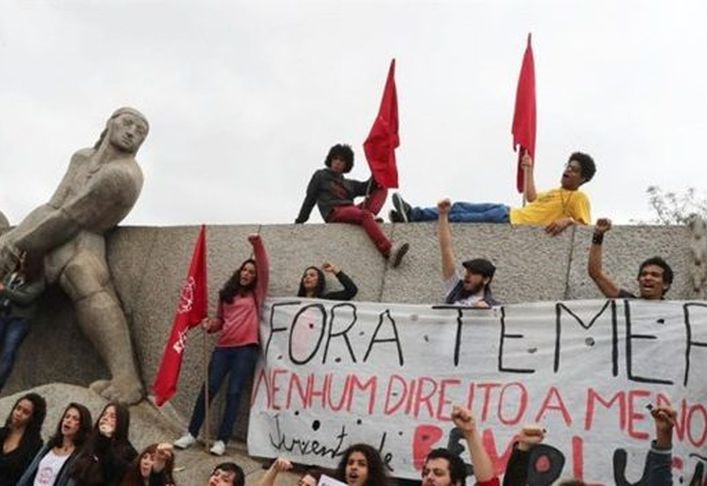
(192, 308)
(383, 139)
(524, 117)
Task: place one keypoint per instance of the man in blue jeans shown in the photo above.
(556, 209)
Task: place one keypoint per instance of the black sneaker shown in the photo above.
(394, 216)
(402, 207)
(397, 253)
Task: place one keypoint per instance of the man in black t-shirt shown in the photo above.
(654, 275)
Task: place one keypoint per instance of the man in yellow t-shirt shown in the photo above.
(555, 209)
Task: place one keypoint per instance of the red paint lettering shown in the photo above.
(443, 401)
(559, 405)
(371, 383)
(487, 387)
(401, 388)
(521, 400)
(423, 441)
(593, 396)
(634, 415)
(692, 427)
(424, 398)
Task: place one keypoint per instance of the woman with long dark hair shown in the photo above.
(54, 460)
(20, 437)
(239, 309)
(105, 458)
(313, 284)
(361, 465)
(19, 291)
(153, 467)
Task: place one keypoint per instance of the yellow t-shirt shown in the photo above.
(552, 205)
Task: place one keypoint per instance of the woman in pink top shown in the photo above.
(240, 304)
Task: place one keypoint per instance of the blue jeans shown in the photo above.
(12, 332)
(239, 364)
(464, 212)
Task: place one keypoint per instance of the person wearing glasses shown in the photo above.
(556, 209)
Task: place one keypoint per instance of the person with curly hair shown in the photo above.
(334, 196)
(361, 465)
(556, 209)
(21, 437)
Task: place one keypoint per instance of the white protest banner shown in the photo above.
(336, 373)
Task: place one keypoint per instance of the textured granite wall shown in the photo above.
(149, 265)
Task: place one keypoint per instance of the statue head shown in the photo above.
(125, 130)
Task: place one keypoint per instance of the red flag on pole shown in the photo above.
(524, 117)
(192, 308)
(383, 139)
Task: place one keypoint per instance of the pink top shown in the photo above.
(239, 320)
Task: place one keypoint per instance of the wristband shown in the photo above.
(598, 238)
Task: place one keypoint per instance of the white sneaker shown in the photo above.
(218, 448)
(185, 441)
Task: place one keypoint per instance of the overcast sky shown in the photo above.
(245, 98)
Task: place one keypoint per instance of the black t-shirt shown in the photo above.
(625, 294)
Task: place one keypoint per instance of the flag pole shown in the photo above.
(205, 363)
(525, 182)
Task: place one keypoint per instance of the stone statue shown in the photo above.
(98, 190)
(4, 223)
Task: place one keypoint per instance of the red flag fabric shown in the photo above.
(191, 309)
(383, 139)
(524, 117)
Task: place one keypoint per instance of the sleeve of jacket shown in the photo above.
(517, 467)
(157, 479)
(349, 292)
(25, 294)
(27, 478)
(310, 198)
(658, 465)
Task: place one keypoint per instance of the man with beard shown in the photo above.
(654, 274)
(444, 468)
(474, 289)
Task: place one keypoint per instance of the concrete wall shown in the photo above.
(149, 265)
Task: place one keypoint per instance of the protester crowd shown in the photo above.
(81, 452)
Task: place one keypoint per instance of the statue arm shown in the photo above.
(99, 206)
